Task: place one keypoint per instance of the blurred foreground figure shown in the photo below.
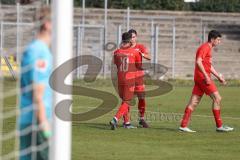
(36, 94)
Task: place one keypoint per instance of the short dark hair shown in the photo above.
(126, 37)
(132, 31)
(213, 34)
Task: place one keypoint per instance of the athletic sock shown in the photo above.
(186, 117)
(141, 107)
(123, 109)
(115, 119)
(126, 117)
(217, 117)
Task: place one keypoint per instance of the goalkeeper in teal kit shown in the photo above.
(36, 95)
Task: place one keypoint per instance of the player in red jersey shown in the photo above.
(205, 84)
(140, 87)
(127, 61)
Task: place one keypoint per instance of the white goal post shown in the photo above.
(62, 19)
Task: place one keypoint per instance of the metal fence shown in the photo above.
(165, 36)
(88, 40)
(154, 35)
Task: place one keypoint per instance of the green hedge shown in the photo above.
(217, 5)
(8, 1)
(136, 4)
(180, 5)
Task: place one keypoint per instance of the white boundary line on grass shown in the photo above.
(153, 112)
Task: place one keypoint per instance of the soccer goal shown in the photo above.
(16, 36)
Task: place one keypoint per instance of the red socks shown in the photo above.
(126, 117)
(188, 112)
(123, 109)
(141, 107)
(217, 117)
(186, 117)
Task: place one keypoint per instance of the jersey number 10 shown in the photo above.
(124, 64)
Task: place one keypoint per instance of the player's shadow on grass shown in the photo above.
(164, 129)
(101, 126)
(104, 126)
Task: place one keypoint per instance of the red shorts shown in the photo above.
(201, 87)
(126, 92)
(139, 82)
(139, 85)
(139, 88)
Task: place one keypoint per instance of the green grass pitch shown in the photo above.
(93, 140)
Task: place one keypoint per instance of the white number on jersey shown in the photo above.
(124, 64)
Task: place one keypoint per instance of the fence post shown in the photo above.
(119, 33)
(128, 18)
(102, 43)
(78, 50)
(47, 2)
(204, 33)
(152, 40)
(156, 48)
(18, 30)
(83, 16)
(1, 87)
(173, 49)
(1, 46)
(105, 36)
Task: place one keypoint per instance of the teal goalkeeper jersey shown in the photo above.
(36, 68)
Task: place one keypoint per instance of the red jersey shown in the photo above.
(141, 49)
(127, 62)
(205, 52)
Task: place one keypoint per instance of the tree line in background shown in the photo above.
(177, 5)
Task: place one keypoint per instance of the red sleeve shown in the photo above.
(138, 60)
(201, 53)
(143, 49)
